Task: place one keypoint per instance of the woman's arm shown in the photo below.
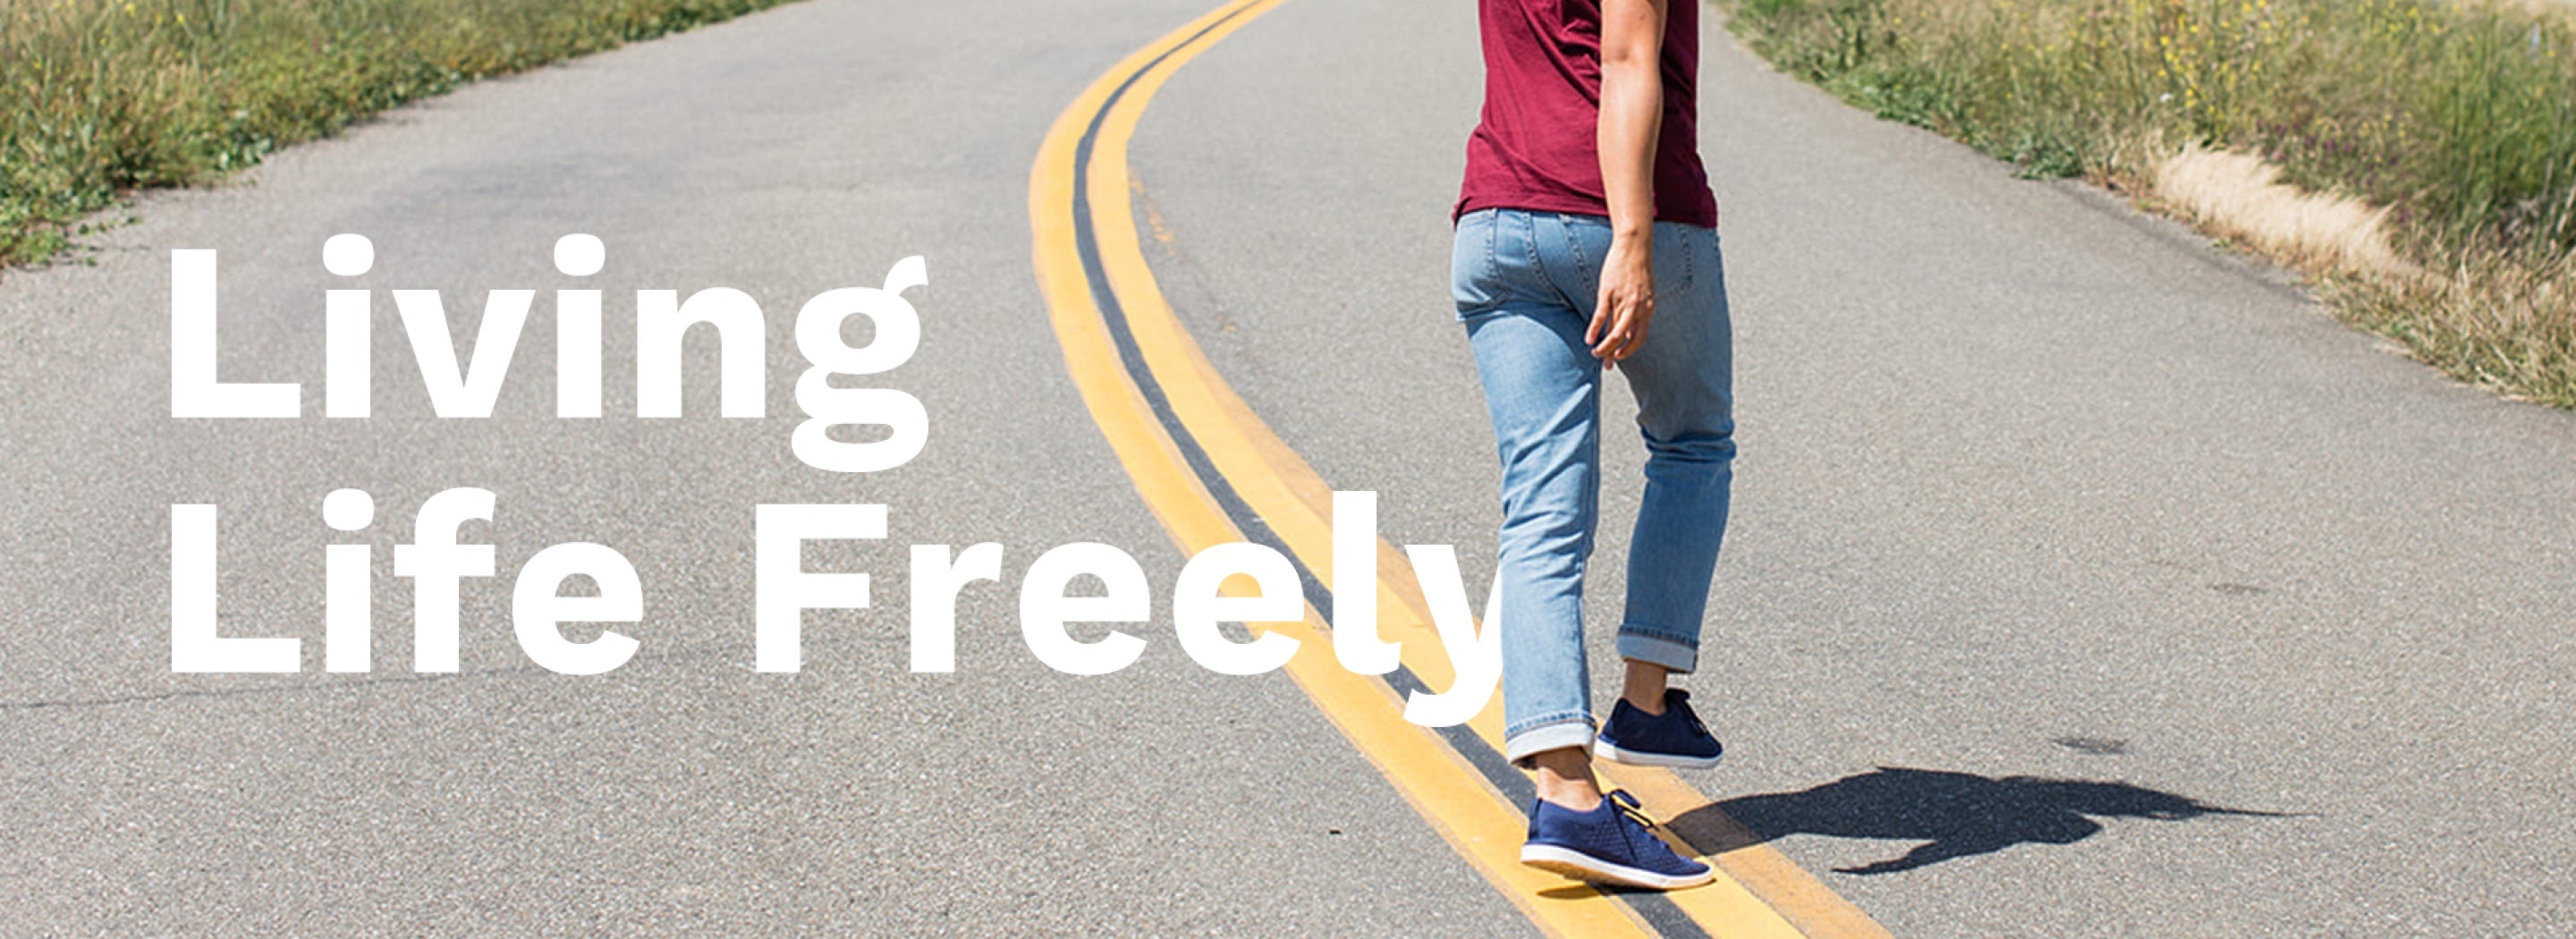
(1632, 117)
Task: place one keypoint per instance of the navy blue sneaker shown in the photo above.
(1676, 738)
(1612, 844)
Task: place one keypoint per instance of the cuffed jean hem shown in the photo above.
(1553, 733)
(1635, 643)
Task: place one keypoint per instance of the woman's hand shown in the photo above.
(1627, 302)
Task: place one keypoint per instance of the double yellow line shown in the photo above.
(1212, 472)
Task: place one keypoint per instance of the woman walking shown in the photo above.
(1586, 240)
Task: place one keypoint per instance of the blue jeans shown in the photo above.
(1526, 284)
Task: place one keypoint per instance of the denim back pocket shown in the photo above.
(1471, 258)
(1493, 262)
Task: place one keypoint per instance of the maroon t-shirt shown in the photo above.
(1536, 147)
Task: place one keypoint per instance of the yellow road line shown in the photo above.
(1457, 801)
(1762, 894)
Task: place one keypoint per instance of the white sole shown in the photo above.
(1584, 867)
(1603, 749)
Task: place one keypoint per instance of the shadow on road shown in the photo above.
(1955, 815)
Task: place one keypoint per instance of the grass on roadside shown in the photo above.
(98, 97)
(2448, 127)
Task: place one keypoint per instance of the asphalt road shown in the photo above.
(2083, 581)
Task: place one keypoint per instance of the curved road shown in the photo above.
(2084, 581)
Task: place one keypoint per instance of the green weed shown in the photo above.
(99, 97)
(2459, 116)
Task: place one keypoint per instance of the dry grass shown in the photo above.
(2416, 158)
(2502, 320)
(2241, 196)
(2495, 317)
(2498, 317)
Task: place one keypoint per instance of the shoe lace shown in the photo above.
(1636, 813)
(1680, 701)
